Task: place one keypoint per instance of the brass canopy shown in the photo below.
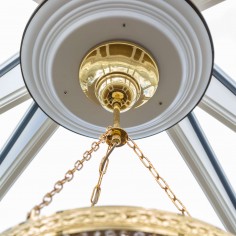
(120, 72)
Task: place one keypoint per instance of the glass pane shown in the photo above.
(222, 140)
(14, 15)
(221, 20)
(10, 119)
(126, 182)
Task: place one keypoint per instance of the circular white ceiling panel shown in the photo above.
(60, 33)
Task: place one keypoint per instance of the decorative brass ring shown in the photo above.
(114, 221)
(121, 133)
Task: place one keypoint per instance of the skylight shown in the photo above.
(221, 20)
(10, 119)
(127, 182)
(14, 15)
(222, 140)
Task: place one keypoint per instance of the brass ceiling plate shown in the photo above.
(119, 67)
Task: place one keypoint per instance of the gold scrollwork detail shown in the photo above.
(129, 219)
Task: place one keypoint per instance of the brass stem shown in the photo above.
(116, 115)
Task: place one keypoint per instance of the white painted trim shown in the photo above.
(38, 1)
(193, 153)
(201, 4)
(14, 91)
(204, 4)
(220, 102)
(37, 132)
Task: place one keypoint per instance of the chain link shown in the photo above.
(58, 186)
(102, 171)
(146, 162)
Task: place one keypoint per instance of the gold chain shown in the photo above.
(102, 171)
(48, 197)
(146, 162)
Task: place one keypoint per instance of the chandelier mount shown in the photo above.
(119, 72)
(108, 56)
(92, 54)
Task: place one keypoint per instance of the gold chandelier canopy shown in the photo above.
(119, 72)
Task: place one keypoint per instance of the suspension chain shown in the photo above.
(146, 162)
(48, 197)
(102, 171)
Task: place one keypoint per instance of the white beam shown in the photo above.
(194, 154)
(204, 4)
(40, 128)
(201, 4)
(14, 91)
(38, 1)
(31, 134)
(220, 102)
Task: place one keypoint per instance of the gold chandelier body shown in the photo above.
(114, 221)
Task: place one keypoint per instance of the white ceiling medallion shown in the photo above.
(60, 33)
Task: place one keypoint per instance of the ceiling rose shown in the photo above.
(61, 33)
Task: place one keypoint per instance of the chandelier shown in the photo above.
(83, 60)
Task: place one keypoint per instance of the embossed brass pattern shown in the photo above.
(122, 68)
(96, 219)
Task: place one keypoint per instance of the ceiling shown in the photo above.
(196, 156)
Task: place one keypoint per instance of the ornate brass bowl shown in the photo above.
(114, 221)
